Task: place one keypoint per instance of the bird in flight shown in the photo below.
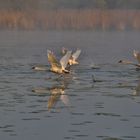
(59, 66)
(74, 56)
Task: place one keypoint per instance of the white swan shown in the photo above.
(74, 56)
(59, 67)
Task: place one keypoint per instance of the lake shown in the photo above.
(72, 106)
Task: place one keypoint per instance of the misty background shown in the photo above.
(78, 4)
(70, 14)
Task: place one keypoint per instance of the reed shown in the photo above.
(61, 19)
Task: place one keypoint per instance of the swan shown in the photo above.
(74, 56)
(129, 62)
(59, 67)
(136, 55)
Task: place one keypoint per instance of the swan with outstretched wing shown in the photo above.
(59, 67)
(74, 56)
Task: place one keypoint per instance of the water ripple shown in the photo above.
(111, 91)
(107, 114)
(31, 119)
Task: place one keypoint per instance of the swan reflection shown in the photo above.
(56, 93)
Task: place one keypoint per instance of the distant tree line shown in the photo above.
(70, 19)
(72, 4)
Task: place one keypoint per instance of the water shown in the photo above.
(104, 110)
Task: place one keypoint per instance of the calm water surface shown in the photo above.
(73, 106)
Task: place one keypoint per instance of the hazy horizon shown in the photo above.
(70, 15)
(72, 4)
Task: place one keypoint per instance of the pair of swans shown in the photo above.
(136, 55)
(61, 66)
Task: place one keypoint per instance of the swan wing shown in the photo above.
(64, 60)
(52, 60)
(76, 54)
